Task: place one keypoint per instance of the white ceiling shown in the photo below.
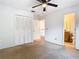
(20, 4)
(61, 4)
(27, 4)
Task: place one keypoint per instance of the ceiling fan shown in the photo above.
(44, 3)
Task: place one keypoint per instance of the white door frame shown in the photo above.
(74, 29)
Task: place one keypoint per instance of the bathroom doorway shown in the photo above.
(69, 30)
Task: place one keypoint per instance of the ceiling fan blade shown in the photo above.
(42, 1)
(36, 6)
(49, 0)
(54, 5)
(44, 9)
(39, 0)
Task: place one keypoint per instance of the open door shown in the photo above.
(69, 30)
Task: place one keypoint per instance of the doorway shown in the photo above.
(69, 30)
(39, 31)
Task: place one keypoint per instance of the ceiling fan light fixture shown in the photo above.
(44, 5)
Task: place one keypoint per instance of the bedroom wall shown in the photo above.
(55, 25)
(8, 33)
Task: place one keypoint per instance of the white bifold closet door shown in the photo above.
(23, 30)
